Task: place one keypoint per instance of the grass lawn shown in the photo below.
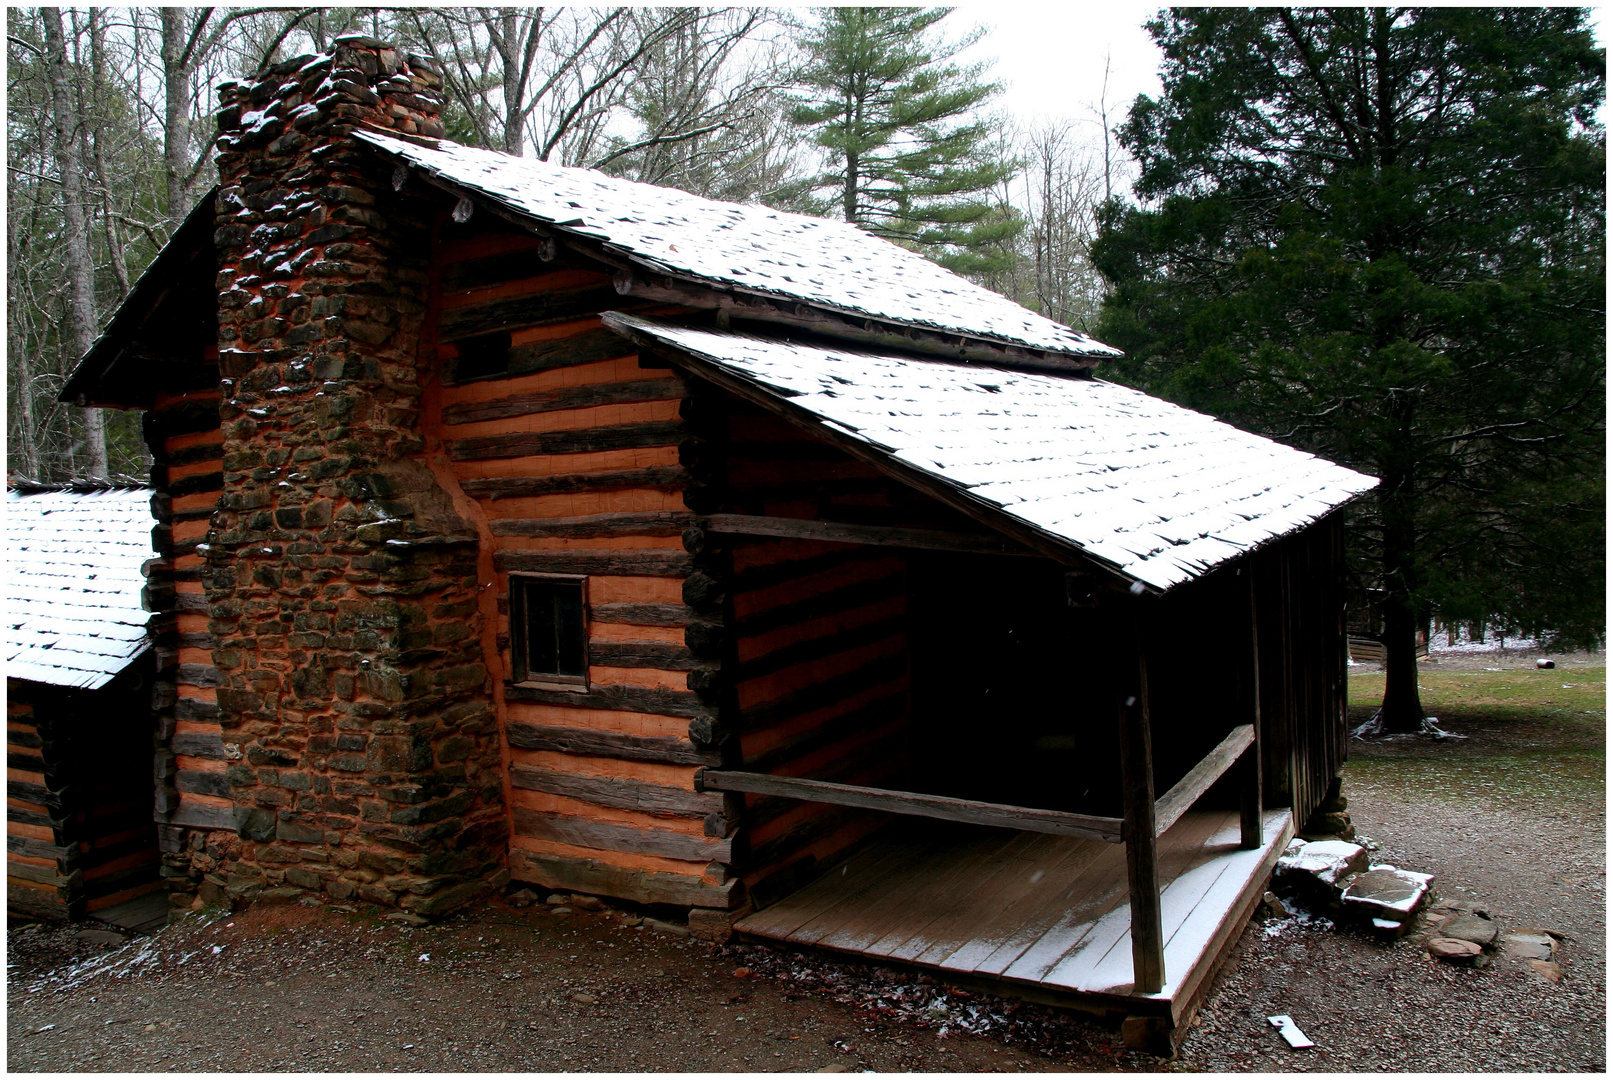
(1533, 737)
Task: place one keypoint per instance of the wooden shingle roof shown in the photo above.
(73, 580)
(1158, 493)
(827, 264)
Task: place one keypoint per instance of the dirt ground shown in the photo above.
(1511, 819)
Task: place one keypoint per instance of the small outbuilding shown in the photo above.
(79, 834)
(521, 522)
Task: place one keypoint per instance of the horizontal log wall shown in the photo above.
(79, 834)
(183, 433)
(570, 450)
(820, 667)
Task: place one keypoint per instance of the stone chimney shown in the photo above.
(341, 583)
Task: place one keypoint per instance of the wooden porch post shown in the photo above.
(1249, 765)
(1142, 858)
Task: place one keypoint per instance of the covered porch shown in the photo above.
(1039, 916)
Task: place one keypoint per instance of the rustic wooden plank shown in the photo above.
(863, 866)
(662, 655)
(41, 849)
(1002, 873)
(1142, 863)
(186, 603)
(835, 601)
(24, 816)
(36, 903)
(202, 782)
(38, 794)
(201, 483)
(610, 836)
(1107, 956)
(907, 802)
(592, 526)
(1076, 918)
(654, 478)
(604, 879)
(566, 397)
(552, 305)
(570, 441)
(588, 742)
(196, 709)
(203, 744)
(1201, 777)
(956, 880)
(821, 647)
(642, 614)
(622, 793)
(25, 762)
(880, 711)
(850, 533)
(656, 700)
(872, 674)
(198, 675)
(651, 562)
(203, 816)
(852, 920)
(1022, 918)
(44, 875)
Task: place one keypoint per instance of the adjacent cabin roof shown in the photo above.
(73, 580)
(828, 264)
(1158, 493)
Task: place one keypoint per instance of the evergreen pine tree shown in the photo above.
(909, 158)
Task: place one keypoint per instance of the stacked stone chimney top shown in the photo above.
(360, 82)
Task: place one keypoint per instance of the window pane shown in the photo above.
(554, 628)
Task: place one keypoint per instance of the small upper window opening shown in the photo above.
(549, 630)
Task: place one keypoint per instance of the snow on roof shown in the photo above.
(73, 611)
(829, 264)
(1161, 493)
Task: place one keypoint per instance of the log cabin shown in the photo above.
(79, 667)
(518, 522)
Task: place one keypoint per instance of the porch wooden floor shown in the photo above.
(1042, 912)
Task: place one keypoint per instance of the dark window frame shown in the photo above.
(520, 627)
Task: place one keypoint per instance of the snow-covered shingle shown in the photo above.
(828, 264)
(73, 612)
(1162, 493)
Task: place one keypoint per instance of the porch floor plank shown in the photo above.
(1030, 909)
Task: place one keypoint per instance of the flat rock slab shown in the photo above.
(1388, 893)
(1529, 945)
(101, 937)
(1453, 951)
(1476, 928)
(1328, 861)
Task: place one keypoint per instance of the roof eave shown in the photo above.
(195, 233)
(988, 514)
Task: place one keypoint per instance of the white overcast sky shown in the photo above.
(1051, 56)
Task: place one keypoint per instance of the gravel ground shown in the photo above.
(1511, 819)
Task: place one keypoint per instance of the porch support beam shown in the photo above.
(1250, 766)
(1199, 779)
(1142, 855)
(1025, 819)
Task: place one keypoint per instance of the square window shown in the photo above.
(549, 630)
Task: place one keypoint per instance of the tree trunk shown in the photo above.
(82, 321)
(176, 113)
(1402, 704)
